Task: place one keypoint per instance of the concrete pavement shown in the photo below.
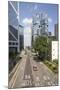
(28, 78)
(43, 76)
(25, 76)
(17, 78)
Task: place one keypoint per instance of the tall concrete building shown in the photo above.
(56, 31)
(40, 25)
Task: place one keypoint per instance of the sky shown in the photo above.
(28, 9)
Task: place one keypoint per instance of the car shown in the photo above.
(35, 68)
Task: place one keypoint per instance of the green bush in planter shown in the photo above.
(50, 64)
(46, 62)
(53, 66)
(55, 61)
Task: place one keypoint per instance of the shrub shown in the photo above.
(47, 62)
(52, 65)
(55, 61)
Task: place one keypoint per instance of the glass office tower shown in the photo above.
(15, 29)
(13, 26)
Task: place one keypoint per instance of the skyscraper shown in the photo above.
(49, 34)
(14, 28)
(40, 25)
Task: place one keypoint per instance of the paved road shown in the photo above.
(28, 73)
(25, 76)
(17, 79)
(43, 76)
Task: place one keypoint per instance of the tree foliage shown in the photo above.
(40, 45)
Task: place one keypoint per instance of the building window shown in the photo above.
(13, 43)
(16, 43)
(39, 26)
(9, 43)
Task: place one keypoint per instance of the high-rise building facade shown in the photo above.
(40, 25)
(49, 34)
(14, 28)
(13, 23)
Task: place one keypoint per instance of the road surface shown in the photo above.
(25, 76)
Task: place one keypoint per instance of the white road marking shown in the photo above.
(29, 76)
(26, 77)
(44, 77)
(37, 78)
(48, 78)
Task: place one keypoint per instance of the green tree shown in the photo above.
(40, 45)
